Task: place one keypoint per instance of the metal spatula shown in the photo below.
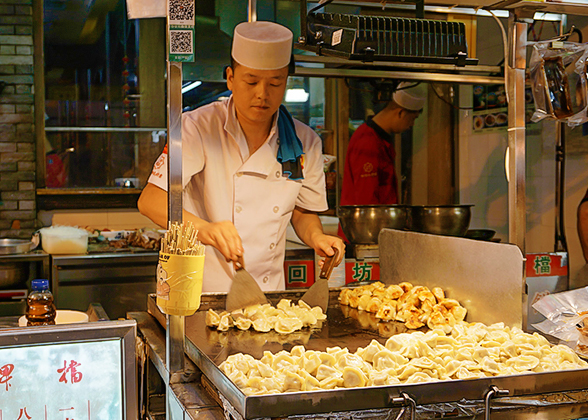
(244, 291)
(318, 294)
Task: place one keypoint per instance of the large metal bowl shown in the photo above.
(362, 224)
(451, 220)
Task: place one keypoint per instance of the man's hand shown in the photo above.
(224, 237)
(324, 245)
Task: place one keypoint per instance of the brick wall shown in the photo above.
(17, 144)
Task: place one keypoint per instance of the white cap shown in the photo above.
(411, 98)
(262, 45)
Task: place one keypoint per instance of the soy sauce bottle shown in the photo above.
(40, 306)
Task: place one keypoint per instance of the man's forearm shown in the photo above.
(307, 225)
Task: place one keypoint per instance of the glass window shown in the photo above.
(105, 95)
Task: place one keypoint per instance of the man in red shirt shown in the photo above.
(369, 176)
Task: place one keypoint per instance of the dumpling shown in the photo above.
(324, 372)
(394, 292)
(287, 325)
(212, 318)
(262, 324)
(243, 323)
(292, 382)
(225, 323)
(386, 313)
(317, 311)
(522, 363)
(353, 377)
(368, 353)
(332, 382)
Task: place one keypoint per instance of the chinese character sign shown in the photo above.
(72, 381)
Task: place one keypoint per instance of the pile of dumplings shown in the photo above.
(416, 306)
(285, 318)
(470, 351)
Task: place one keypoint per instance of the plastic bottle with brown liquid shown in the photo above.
(40, 306)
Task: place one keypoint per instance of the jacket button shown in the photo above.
(278, 174)
(238, 209)
(265, 279)
(239, 173)
(272, 245)
(276, 209)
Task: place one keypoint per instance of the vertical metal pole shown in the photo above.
(174, 333)
(516, 64)
(175, 324)
(252, 11)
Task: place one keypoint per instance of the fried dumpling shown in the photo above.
(212, 318)
(226, 322)
(386, 313)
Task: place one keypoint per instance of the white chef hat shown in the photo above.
(262, 45)
(411, 98)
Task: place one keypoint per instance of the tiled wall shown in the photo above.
(17, 147)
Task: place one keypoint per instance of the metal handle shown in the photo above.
(328, 265)
(493, 392)
(405, 400)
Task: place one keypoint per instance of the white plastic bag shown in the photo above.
(567, 318)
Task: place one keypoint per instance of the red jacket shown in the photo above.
(369, 177)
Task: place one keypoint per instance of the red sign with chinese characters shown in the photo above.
(299, 273)
(361, 271)
(545, 265)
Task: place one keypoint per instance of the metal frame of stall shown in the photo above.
(515, 84)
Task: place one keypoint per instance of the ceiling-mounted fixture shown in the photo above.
(384, 38)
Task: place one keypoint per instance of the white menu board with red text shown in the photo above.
(62, 381)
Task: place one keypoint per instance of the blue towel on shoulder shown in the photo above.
(290, 147)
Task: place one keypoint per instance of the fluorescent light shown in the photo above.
(296, 95)
(191, 86)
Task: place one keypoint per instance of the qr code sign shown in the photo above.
(181, 12)
(180, 42)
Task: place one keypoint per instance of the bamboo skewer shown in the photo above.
(182, 239)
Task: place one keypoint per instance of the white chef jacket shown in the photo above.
(222, 182)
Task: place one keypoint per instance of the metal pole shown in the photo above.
(174, 333)
(516, 63)
(252, 11)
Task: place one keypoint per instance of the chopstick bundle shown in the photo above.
(182, 239)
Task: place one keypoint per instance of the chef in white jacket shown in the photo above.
(249, 169)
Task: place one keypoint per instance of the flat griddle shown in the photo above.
(207, 348)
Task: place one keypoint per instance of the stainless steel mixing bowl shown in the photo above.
(451, 219)
(362, 224)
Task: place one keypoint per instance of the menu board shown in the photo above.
(65, 381)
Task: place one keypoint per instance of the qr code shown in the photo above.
(181, 12)
(180, 42)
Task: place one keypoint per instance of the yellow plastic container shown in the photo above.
(179, 283)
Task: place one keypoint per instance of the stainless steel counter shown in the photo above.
(198, 397)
